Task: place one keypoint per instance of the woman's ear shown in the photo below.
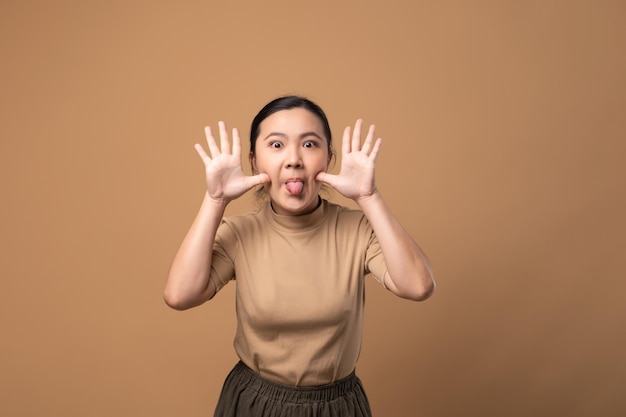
(252, 159)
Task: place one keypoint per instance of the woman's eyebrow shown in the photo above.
(275, 134)
(311, 133)
(301, 136)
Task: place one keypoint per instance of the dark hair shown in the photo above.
(287, 103)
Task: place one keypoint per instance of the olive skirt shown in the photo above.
(247, 394)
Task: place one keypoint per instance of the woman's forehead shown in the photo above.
(292, 121)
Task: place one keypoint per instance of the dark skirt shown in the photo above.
(247, 394)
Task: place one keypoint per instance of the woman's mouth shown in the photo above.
(294, 186)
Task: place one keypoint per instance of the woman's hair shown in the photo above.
(287, 103)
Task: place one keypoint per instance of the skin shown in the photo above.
(291, 146)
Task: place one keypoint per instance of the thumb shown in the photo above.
(261, 178)
(326, 177)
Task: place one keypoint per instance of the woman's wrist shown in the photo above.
(217, 204)
(367, 200)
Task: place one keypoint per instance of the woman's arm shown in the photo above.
(188, 283)
(409, 274)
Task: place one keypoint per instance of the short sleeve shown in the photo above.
(374, 260)
(222, 261)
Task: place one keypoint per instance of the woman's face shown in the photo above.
(292, 149)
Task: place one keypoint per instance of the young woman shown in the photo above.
(299, 261)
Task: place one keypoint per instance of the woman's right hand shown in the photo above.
(224, 175)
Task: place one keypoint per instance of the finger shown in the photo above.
(200, 150)
(345, 142)
(258, 179)
(236, 143)
(356, 135)
(368, 140)
(211, 142)
(224, 142)
(326, 177)
(375, 149)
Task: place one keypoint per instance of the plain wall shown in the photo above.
(504, 141)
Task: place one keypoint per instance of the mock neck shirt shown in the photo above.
(299, 289)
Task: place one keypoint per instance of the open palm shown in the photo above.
(225, 178)
(356, 178)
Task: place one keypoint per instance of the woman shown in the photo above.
(299, 261)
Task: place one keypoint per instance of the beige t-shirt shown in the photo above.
(300, 289)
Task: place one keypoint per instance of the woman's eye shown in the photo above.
(276, 145)
(309, 144)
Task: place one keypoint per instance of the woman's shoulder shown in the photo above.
(342, 210)
(346, 214)
(244, 220)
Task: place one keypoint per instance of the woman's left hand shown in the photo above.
(356, 179)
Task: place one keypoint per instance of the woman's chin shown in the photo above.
(294, 205)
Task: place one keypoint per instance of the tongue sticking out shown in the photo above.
(295, 187)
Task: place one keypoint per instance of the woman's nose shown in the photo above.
(294, 159)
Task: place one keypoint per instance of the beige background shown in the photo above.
(504, 147)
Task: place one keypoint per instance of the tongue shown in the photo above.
(295, 187)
